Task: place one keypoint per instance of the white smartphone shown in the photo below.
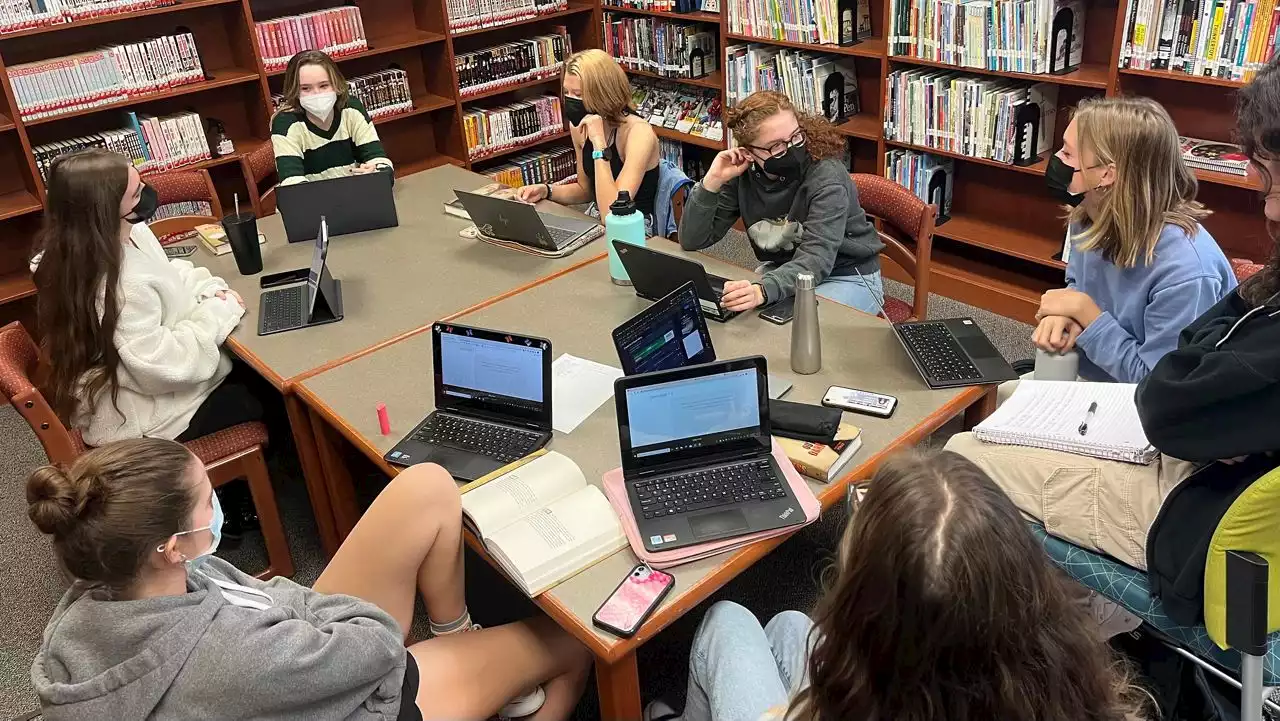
(852, 399)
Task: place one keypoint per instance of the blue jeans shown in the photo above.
(865, 292)
(738, 671)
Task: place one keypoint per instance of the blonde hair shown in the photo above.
(294, 70)
(605, 88)
(1153, 186)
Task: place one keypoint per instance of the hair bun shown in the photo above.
(56, 502)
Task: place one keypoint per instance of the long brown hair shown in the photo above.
(1258, 131)
(112, 508)
(313, 57)
(944, 607)
(821, 137)
(1153, 186)
(81, 256)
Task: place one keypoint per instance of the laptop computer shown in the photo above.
(518, 222)
(654, 274)
(951, 352)
(672, 333)
(316, 302)
(493, 402)
(696, 454)
(351, 203)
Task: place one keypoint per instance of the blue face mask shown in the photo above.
(214, 527)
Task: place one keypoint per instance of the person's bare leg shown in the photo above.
(409, 540)
(471, 676)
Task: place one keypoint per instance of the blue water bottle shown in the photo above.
(623, 223)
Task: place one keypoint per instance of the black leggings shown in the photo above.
(409, 691)
(238, 399)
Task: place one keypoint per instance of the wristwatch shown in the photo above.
(599, 154)
(764, 295)
(548, 190)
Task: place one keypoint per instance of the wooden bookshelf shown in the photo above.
(998, 251)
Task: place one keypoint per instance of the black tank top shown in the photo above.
(646, 194)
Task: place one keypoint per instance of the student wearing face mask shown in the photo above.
(322, 131)
(134, 339)
(1141, 266)
(161, 629)
(616, 148)
(786, 180)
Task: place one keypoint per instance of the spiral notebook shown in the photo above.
(1052, 414)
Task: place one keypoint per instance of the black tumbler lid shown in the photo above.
(623, 205)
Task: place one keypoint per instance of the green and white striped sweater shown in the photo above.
(305, 152)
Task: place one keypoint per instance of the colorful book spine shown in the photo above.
(490, 131)
(337, 32)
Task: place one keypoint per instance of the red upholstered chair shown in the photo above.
(1244, 268)
(181, 186)
(259, 167)
(905, 219)
(235, 452)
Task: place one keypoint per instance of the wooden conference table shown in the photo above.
(577, 310)
(394, 282)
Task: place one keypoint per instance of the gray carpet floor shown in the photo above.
(790, 577)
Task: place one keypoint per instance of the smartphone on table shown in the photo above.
(780, 312)
(297, 275)
(865, 402)
(633, 601)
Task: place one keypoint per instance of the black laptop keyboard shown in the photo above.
(488, 439)
(939, 352)
(562, 236)
(282, 309)
(700, 490)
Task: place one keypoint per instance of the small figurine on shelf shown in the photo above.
(219, 143)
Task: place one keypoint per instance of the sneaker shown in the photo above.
(658, 710)
(526, 704)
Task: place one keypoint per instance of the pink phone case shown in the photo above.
(635, 598)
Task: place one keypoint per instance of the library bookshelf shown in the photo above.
(1000, 250)
(413, 35)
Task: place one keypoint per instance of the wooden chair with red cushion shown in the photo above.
(1244, 268)
(235, 452)
(905, 219)
(259, 167)
(181, 186)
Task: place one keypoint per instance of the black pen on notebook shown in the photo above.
(1088, 416)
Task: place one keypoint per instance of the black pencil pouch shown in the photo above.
(804, 422)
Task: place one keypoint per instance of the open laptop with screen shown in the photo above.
(493, 402)
(949, 353)
(654, 274)
(672, 333)
(512, 220)
(317, 302)
(696, 454)
(350, 204)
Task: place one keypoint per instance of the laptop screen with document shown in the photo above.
(671, 333)
(693, 413)
(492, 372)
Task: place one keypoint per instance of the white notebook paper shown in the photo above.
(1048, 414)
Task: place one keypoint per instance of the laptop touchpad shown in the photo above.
(978, 348)
(718, 524)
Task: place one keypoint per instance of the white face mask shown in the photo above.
(320, 104)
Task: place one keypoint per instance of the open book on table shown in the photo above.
(542, 522)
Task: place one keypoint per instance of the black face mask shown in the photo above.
(788, 166)
(1058, 176)
(574, 110)
(148, 201)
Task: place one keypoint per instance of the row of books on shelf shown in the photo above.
(24, 14)
(553, 165)
(494, 130)
(680, 6)
(46, 88)
(930, 177)
(979, 117)
(1228, 39)
(1023, 36)
(825, 85)
(337, 31)
(831, 22)
(695, 111)
(655, 45)
(694, 164)
(510, 64)
(474, 14)
(153, 144)
(181, 208)
(383, 94)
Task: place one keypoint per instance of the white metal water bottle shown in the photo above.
(806, 341)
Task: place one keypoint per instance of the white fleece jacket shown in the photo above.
(169, 336)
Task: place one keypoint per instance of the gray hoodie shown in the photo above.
(198, 656)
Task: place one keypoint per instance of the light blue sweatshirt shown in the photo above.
(1145, 307)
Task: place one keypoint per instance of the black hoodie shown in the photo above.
(1213, 398)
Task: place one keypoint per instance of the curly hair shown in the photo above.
(821, 137)
(1258, 131)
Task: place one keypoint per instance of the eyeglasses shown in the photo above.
(778, 149)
